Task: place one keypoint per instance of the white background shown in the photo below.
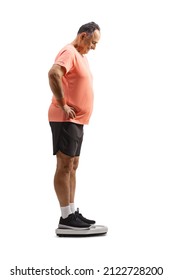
(125, 178)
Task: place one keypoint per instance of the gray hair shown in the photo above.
(89, 28)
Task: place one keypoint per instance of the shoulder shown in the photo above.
(68, 50)
(66, 57)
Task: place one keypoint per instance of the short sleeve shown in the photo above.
(65, 59)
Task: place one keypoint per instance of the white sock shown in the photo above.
(72, 207)
(65, 211)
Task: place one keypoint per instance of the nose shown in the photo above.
(93, 46)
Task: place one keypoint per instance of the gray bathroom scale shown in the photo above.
(94, 230)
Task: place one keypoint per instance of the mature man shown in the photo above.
(71, 83)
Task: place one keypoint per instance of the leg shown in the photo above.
(73, 187)
(67, 140)
(64, 183)
(73, 179)
(62, 178)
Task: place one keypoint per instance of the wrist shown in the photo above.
(62, 102)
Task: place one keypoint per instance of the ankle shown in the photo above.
(65, 211)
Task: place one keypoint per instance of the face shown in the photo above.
(89, 41)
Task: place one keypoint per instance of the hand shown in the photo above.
(69, 111)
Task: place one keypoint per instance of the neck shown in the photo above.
(76, 45)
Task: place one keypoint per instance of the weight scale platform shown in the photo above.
(94, 230)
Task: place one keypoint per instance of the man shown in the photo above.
(71, 83)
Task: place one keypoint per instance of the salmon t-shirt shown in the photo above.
(77, 87)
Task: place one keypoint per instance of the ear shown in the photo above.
(83, 35)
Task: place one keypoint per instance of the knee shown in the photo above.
(67, 166)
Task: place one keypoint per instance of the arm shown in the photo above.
(55, 81)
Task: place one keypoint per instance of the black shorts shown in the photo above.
(67, 137)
